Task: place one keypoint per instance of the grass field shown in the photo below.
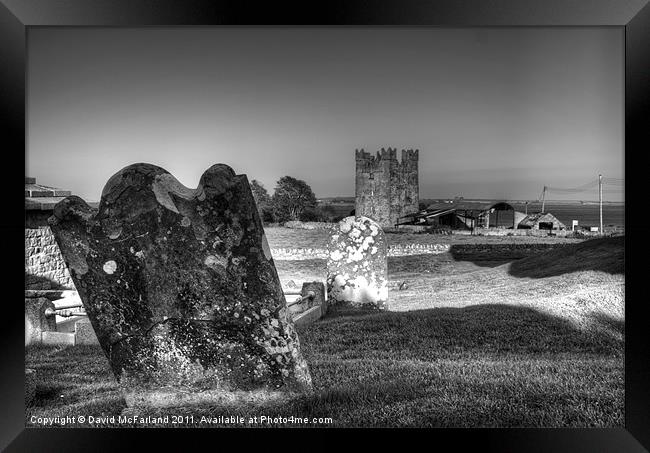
(532, 342)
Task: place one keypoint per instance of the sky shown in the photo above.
(495, 112)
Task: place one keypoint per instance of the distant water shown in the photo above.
(587, 214)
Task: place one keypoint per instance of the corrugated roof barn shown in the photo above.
(465, 214)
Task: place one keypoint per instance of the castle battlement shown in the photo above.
(382, 155)
(410, 155)
(369, 161)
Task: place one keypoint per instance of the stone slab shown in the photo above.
(58, 338)
(309, 316)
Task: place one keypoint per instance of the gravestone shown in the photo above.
(37, 319)
(314, 293)
(181, 289)
(357, 272)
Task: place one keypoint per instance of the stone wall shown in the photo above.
(298, 225)
(287, 253)
(386, 188)
(460, 251)
(520, 232)
(44, 265)
(290, 253)
(417, 249)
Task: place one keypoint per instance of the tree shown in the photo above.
(292, 198)
(263, 201)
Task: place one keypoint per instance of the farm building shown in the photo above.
(541, 221)
(461, 214)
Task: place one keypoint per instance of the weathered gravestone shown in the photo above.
(181, 289)
(356, 264)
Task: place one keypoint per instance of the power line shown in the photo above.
(616, 186)
(582, 188)
(614, 182)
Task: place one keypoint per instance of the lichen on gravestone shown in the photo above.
(357, 271)
(181, 289)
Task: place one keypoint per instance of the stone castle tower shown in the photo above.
(386, 189)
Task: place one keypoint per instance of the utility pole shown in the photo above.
(600, 199)
(543, 198)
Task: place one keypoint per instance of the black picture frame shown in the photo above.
(16, 16)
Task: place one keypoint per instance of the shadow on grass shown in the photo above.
(45, 394)
(601, 254)
(492, 255)
(610, 322)
(483, 365)
(72, 381)
(538, 261)
(444, 332)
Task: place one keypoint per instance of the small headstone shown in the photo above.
(357, 271)
(317, 292)
(37, 320)
(181, 289)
